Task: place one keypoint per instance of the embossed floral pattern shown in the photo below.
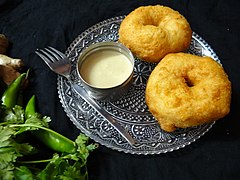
(142, 71)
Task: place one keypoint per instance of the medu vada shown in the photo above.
(186, 90)
(151, 32)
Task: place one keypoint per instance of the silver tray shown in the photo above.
(131, 111)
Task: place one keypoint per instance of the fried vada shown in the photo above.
(151, 32)
(186, 90)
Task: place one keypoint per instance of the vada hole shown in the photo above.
(188, 82)
(151, 23)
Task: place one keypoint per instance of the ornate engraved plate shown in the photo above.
(131, 111)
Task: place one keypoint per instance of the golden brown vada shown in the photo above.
(186, 90)
(151, 32)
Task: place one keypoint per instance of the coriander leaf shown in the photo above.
(23, 173)
(19, 112)
(7, 149)
(81, 139)
(83, 150)
(5, 136)
(30, 125)
(76, 171)
(38, 120)
(91, 147)
(8, 155)
(46, 120)
(13, 115)
(6, 171)
(33, 123)
(24, 148)
(52, 168)
(74, 156)
(10, 150)
(6, 165)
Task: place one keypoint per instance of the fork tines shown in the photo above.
(50, 54)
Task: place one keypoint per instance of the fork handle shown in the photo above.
(105, 114)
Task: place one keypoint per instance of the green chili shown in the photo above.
(30, 109)
(10, 95)
(55, 141)
(50, 138)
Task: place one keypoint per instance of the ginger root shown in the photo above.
(8, 74)
(9, 68)
(7, 61)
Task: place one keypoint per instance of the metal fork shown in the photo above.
(60, 64)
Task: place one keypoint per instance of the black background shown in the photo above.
(31, 24)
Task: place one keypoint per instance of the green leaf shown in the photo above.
(39, 120)
(83, 149)
(91, 147)
(33, 123)
(13, 115)
(76, 171)
(10, 150)
(23, 173)
(7, 149)
(46, 120)
(8, 155)
(6, 171)
(52, 168)
(74, 156)
(24, 148)
(19, 112)
(5, 136)
(81, 140)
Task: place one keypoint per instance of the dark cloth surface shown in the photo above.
(31, 24)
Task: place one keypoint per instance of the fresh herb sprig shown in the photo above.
(60, 166)
(69, 159)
